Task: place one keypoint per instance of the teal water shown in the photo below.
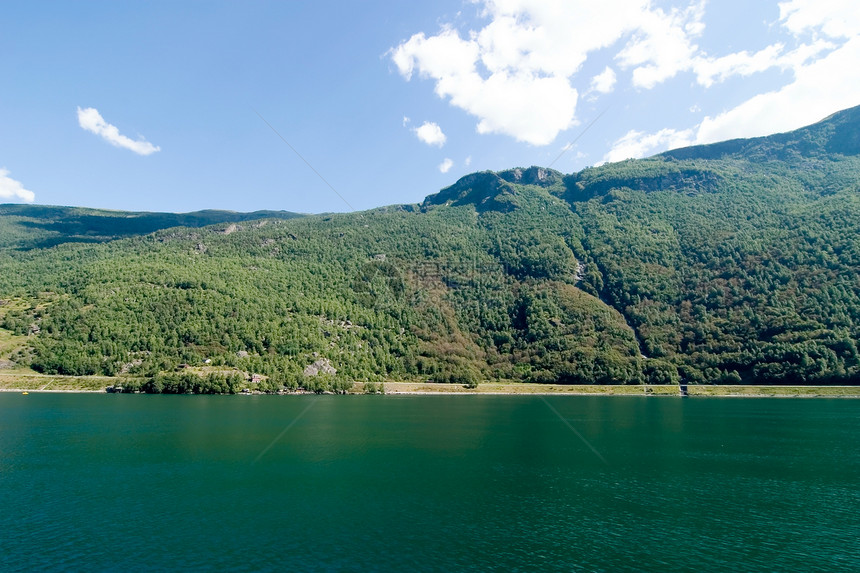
(505, 483)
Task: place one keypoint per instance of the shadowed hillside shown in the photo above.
(41, 226)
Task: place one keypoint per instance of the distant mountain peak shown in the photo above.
(495, 191)
(540, 176)
(39, 226)
(836, 135)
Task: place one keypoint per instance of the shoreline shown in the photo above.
(526, 389)
(39, 383)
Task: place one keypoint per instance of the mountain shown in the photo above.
(728, 263)
(836, 135)
(489, 191)
(40, 226)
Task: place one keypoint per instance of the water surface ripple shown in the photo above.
(436, 483)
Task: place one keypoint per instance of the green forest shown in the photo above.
(722, 264)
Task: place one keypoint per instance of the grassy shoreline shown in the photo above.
(11, 381)
(31, 382)
(502, 388)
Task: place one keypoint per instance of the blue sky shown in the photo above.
(157, 105)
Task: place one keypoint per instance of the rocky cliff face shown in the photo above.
(491, 191)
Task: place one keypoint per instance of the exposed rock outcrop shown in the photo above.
(321, 366)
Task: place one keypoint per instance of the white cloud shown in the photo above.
(819, 88)
(444, 55)
(604, 82)
(509, 101)
(662, 44)
(406, 120)
(711, 70)
(14, 190)
(832, 18)
(446, 165)
(516, 72)
(91, 120)
(664, 47)
(824, 80)
(431, 134)
(468, 161)
(636, 144)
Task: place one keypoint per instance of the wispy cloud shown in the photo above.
(604, 82)
(514, 74)
(446, 165)
(91, 120)
(823, 80)
(824, 74)
(431, 134)
(517, 70)
(14, 190)
(663, 43)
(635, 144)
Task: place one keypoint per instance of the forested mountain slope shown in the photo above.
(713, 264)
(40, 226)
